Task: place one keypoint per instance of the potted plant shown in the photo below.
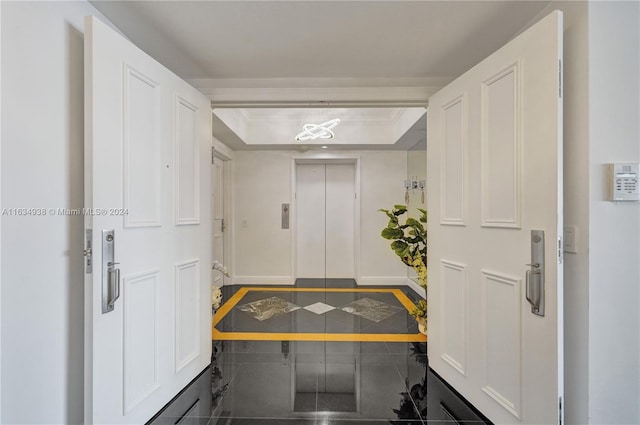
(420, 314)
(409, 242)
(216, 293)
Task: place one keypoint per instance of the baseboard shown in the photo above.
(193, 401)
(262, 280)
(391, 281)
(419, 289)
(382, 280)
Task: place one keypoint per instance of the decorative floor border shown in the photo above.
(295, 336)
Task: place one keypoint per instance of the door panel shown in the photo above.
(494, 175)
(311, 219)
(147, 150)
(340, 220)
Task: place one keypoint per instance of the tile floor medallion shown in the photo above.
(300, 300)
(268, 308)
(371, 309)
(319, 308)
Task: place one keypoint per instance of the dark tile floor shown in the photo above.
(325, 383)
(351, 312)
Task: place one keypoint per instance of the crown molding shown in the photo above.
(306, 83)
(319, 93)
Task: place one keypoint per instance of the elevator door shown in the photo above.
(325, 197)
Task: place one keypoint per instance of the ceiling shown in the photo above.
(310, 48)
(359, 128)
(319, 39)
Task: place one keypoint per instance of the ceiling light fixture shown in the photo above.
(318, 131)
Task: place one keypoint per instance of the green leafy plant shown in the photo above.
(409, 239)
(409, 242)
(420, 310)
(419, 313)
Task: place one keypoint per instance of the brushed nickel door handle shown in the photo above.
(534, 290)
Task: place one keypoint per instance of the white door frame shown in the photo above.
(325, 159)
(227, 196)
(0, 235)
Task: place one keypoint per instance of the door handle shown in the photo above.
(534, 289)
(110, 274)
(114, 284)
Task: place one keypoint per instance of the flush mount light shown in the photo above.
(318, 131)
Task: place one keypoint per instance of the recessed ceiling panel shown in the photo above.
(359, 128)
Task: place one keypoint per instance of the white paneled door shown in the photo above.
(147, 165)
(494, 180)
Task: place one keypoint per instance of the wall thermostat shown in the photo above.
(623, 182)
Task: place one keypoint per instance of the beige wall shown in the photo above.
(576, 209)
(416, 169)
(262, 182)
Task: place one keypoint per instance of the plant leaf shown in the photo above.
(399, 210)
(400, 248)
(413, 222)
(387, 212)
(390, 233)
(423, 216)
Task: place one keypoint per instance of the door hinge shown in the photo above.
(88, 251)
(560, 78)
(560, 250)
(213, 155)
(222, 226)
(560, 414)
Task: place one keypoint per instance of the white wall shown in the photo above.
(416, 169)
(262, 250)
(262, 182)
(42, 167)
(382, 186)
(614, 274)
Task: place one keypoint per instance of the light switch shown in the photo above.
(245, 223)
(570, 239)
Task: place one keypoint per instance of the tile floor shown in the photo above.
(323, 382)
